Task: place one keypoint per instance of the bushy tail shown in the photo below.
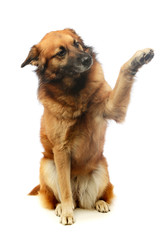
(35, 190)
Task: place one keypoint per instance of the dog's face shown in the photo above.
(60, 53)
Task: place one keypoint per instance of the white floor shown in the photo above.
(131, 217)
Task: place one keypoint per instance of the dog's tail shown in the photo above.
(35, 190)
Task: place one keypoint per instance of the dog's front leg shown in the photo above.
(117, 103)
(63, 165)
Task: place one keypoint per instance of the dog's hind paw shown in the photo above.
(58, 210)
(102, 206)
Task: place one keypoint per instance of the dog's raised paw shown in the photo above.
(140, 58)
(102, 206)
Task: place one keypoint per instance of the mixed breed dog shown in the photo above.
(77, 103)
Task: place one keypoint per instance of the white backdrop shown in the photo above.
(116, 29)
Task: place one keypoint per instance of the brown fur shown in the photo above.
(35, 191)
(76, 109)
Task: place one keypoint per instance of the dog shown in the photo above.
(77, 104)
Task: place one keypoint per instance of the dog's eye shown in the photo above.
(62, 52)
(76, 44)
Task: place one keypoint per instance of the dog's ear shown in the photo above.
(72, 31)
(86, 48)
(32, 58)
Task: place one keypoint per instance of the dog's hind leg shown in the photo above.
(47, 197)
(94, 190)
(103, 204)
(48, 193)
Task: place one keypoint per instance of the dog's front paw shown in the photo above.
(67, 219)
(140, 58)
(65, 214)
(102, 206)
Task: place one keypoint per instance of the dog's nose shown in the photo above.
(86, 60)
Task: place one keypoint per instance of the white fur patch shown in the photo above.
(50, 177)
(86, 189)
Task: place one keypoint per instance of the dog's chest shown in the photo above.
(81, 133)
(87, 139)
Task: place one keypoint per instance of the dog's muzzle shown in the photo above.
(83, 63)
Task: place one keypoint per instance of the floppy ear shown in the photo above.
(86, 48)
(32, 58)
(72, 31)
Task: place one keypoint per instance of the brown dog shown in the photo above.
(77, 104)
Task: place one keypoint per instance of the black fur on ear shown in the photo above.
(32, 58)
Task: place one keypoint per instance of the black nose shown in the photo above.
(86, 60)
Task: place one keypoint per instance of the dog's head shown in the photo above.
(60, 54)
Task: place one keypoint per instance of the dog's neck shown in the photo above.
(65, 85)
